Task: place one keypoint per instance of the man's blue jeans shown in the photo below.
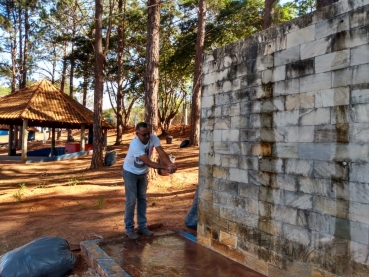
(136, 186)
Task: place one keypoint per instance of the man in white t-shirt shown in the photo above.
(135, 168)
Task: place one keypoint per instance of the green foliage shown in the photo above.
(22, 186)
(4, 91)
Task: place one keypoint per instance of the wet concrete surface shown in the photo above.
(172, 255)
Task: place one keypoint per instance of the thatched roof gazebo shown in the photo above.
(42, 104)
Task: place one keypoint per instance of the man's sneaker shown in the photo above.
(146, 232)
(132, 235)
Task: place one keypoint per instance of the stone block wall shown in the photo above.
(284, 153)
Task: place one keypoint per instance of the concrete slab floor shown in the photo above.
(174, 254)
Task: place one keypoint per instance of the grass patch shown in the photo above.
(18, 196)
(42, 185)
(100, 202)
(73, 181)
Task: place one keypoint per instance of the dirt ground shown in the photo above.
(67, 199)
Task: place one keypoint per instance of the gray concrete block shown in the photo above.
(286, 182)
(285, 150)
(316, 82)
(287, 87)
(358, 192)
(359, 253)
(315, 48)
(360, 74)
(352, 152)
(230, 135)
(359, 212)
(321, 222)
(315, 186)
(359, 172)
(337, 208)
(299, 167)
(298, 200)
(332, 61)
(298, 133)
(271, 135)
(341, 115)
(351, 38)
(359, 132)
(250, 135)
(222, 123)
(270, 195)
(272, 227)
(300, 68)
(301, 36)
(231, 109)
(338, 133)
(332, 97)
(278, 44)
(316, 151)
(271, 165)
(249, 191)
(330, 170)
(286, 118)
(360, 113)
(287, 56)
(300, 101)
(359, 55)
(332, 26)
(317, 116)
(238, 175)
(359, 17)
(296, 234)
(359, 232)
(360, 96)
(229, 160)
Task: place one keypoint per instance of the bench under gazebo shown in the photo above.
(43, 105)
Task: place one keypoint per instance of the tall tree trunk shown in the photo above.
(152, 65)
(13, 46)
(71, 75)
(64, 69)
(20, 42)
(152, 71)
(268, 13)
(121, 30)
(85, 87)
(26, 43)
(97, 156)
(196, 95)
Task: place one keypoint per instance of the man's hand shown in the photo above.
(171, 168)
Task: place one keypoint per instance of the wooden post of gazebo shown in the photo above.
(82, 138)
(52, 142)
(10, 140)
(24, 140)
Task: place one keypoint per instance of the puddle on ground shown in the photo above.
(172, 255)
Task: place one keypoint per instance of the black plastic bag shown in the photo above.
(184, 143)
(43, 257)
(110, 158)
(191, 217)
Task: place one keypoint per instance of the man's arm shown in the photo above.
(165, 159)
(145, 159)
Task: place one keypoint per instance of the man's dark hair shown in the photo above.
(141, 125)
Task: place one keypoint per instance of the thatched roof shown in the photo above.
(45, 105)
